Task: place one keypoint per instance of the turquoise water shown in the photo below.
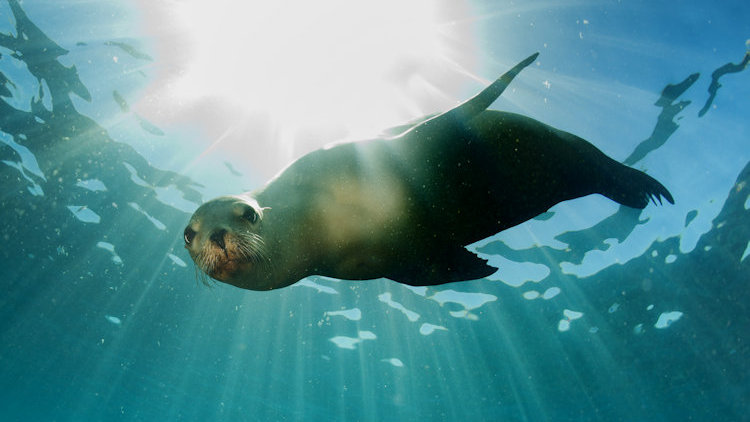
(597, 312)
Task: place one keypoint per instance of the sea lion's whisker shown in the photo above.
(252, 247)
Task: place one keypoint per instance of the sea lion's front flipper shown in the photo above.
(398, 130)
(445, 265)
(478, 103)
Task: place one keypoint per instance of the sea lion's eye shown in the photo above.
(250, 215)
(189, 235)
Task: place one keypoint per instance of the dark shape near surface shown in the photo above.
(718, 73)
(404, 207)
(148, 126)
(69, 147)
(665, 126)
(4, 83)
(690, 217)
(120, 100)
(232, 169)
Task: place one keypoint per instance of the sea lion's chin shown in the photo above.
(244, 275)
(230, 269)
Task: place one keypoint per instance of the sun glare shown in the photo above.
(308, 62)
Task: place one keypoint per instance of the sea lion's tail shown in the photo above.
(634, 188)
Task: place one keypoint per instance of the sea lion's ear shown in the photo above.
(261, 210)
(250, 200)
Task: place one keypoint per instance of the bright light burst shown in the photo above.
(312, 62)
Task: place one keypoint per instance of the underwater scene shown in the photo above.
(119, 119)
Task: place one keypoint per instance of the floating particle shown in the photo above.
(394, 361)
(113, 319)
(176, 259)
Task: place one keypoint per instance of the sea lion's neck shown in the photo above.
(288, 233)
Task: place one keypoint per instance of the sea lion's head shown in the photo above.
(224, 239)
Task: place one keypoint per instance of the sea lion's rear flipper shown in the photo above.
(589, 171)
(446, 266)
(634, 188)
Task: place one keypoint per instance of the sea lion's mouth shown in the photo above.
(223, 270)
(235, 257)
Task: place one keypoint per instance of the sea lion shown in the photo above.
(404, 207)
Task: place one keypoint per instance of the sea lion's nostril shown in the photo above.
(218, 237)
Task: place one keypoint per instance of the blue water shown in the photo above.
(597, 312)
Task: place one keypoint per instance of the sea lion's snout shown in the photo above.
(217, 237)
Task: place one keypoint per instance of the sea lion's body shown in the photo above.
(405, 207)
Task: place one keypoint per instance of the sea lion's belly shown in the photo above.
(361, 221)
